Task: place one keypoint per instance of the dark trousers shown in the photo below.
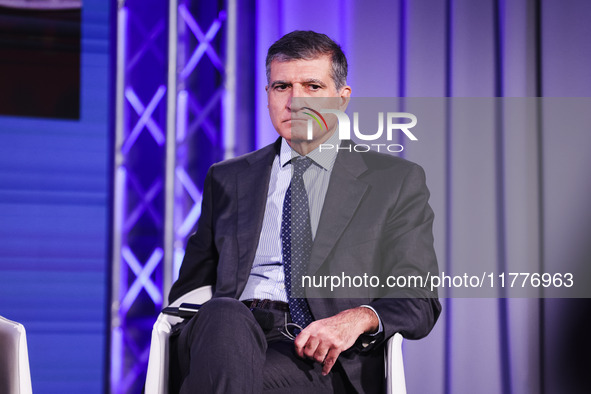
(227, 348)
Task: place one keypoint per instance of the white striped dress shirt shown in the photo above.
(266, 280)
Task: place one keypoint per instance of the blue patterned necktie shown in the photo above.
(296, 240)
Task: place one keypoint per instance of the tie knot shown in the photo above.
(300, 165)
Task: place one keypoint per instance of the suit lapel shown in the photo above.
(343, 196)
(252, 188)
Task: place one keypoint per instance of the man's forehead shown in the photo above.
(302, 68)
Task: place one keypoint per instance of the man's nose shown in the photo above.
(296, 91)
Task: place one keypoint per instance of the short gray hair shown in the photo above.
(307, 45)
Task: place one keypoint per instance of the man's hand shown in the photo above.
(323, 340)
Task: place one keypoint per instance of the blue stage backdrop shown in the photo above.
(54, 198)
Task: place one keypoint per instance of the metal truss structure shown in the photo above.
(196, 103)
(175, 68)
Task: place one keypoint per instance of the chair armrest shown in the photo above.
(395, 382)
(14, 365)
(157, 376)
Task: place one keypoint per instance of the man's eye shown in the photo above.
(314, 87)
(281, 87)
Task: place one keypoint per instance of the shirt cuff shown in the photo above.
(380, 327)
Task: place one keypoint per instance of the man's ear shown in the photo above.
(345, 91)
(267, 88)
(345, 95)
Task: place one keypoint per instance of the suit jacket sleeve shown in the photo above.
(201, 256)
(407, 251)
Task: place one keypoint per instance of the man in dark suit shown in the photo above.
(290, 207)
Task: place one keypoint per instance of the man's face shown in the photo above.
(299, 78)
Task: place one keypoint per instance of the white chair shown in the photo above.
(157, 377)
(15, 376)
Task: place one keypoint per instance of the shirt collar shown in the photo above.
(324, 159)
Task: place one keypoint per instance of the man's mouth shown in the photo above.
(290, 119)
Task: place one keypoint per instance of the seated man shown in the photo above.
(261, 224)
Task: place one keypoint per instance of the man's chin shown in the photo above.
(294, 133)
(299, 138)
(299, 135)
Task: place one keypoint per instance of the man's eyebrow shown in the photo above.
(313, 81)
(275, 83)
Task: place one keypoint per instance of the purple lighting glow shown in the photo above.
(142, 280)
(145, 118)
(204, 41)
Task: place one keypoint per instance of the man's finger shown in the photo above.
(311, 346)
(300, 342)
(321, 352)
(329, 361)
